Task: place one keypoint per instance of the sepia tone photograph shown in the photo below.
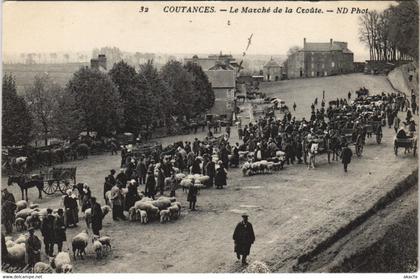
(210, 137)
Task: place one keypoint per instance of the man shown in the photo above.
(141, 171)
(349, 95)
(111, 178)
(122, 178)
(117, 203)
(294, 106)
(397, 123)
(47, 230)
(192, 195)
(60, 230)
(243, 238)
(33, 248)
(346, 155)
(97, 216)
(211, 172)
(8, 207)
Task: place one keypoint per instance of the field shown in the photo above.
(25, 74)
(292, 210)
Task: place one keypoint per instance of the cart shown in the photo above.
(57, 179)
(407, 143)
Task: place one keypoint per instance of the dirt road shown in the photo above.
(291, 210)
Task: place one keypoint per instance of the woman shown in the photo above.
(71, 209)
(132, 195)
(150, 189)
(220, 179)
(192, 195)
(86, 197)
(196, 166)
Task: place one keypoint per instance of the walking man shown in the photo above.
(294, 106)
(346, 156)
(243, 238)
(97, 216)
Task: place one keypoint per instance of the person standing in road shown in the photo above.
(117, 203)
(47, 230)
(243, 238)
(349, 95)
(192, 195)
(33, 248)
(397, 122)
(8, 207)
(97, 216)
(60, 230)
(294, 106)
(346, 155)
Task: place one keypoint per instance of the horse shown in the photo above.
(313, 150)
(19, 164)
(25, 184)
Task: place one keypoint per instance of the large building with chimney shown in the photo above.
(320, 59)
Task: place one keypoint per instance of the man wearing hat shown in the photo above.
(243, 237)
(346, 155)
(97, 216)
(60, 230)
(33, 248)
(8, 207)
(47, 230)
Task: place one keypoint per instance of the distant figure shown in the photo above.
(47, 230)
(316, 101)
(349, 95)
(346, 155)
(294, 106)
(243, 238)
(97, 216)
(323, 94)
(60, 230)
(192, 195)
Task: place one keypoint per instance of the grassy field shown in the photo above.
(24, 74)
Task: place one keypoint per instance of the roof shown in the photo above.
(271, 64)
(220, 66)
(221, 78)
(205, 63)
(335, 46)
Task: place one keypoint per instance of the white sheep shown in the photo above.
(17, 254)
(88, 214)
(9, 243)
(41, 267)
(174, 211)
(24, 213)
(257, 267)
(164, 215)
(105, 241)
(143, 216)
(98, 248)
(132, 214)
(62, 263)
(33, 206)
(79, 243)
(21, 239)
(21, 205)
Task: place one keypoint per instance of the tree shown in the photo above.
(17, 120)
(126, 80)
(178, 81)
(202, 87)
(293, 50)
(42, 101)
(94, 100)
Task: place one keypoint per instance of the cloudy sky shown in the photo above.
(82, 26)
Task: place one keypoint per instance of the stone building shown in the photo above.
(320, 59)
(272, 71)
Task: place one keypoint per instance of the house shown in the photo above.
(99, 63)
(223, 84)
(320, 59)
(272, 71)
(212, 60)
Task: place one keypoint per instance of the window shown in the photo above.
(332, 64)
(312, 65)
(323, 65)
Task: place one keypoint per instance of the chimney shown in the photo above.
(331, 42)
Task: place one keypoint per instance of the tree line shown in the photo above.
(122, 100)
(393, 34)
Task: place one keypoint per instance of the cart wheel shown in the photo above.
(378, 138)
(63, 187)
(359, 150)
(50, 187)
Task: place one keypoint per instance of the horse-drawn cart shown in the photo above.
(407, 143)
(48, 180)
(355, 138)
(374, 127)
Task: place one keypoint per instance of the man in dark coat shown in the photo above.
(346, 155)
(97, 216)
(122, 178)
(71, 209)
(33, 248)
(47, 230)
(60, 230)
(150, 189)
(221, 175)
(192, 195)
(243, 237)
(211, 172)
(8, 207)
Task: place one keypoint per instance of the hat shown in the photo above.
(244, 214)
(112, 171)
(60, 210)
(69, 191)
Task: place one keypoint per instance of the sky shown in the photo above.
(82, 26)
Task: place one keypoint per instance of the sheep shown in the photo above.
(164, 215)
(62, 263)
(21, 239)
(152, 211)
(162, 203)
(21, 205)
(174, 211)
(7, 238)
(9, 243)
(172, 199)
(179, 176)
(79, 244)
(20, 224)
(33, 220)
(185, 184)
(105, 241)
(41, 267)
(17, 254)
(34, 205)
(24, 213)
(98, 248)
(143, 216)
(132, 214)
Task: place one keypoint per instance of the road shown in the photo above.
(291, 210)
